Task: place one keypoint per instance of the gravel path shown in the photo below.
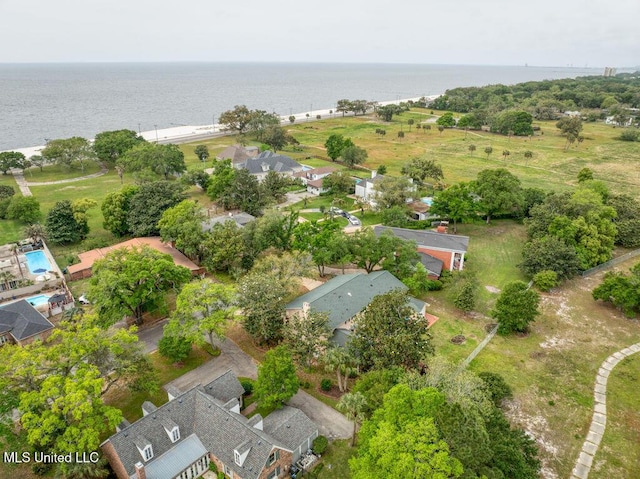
(599, 421)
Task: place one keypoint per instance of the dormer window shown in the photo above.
(175, 434)
(147, 452)
(172, 430)
(237, 458)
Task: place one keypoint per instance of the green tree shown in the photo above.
(221, 178)
(517, 122)
(6, 191)
(343, 106)
(353, 155)
(277, 381)
(455, 203)
(401, 440)
(338, 183)
(466, 296)
(471, 121)
(173, 345)
(245, 193)
(25, 209)
(39, 161)
(69, 152)
(369, 250)
(393, 191)
(585, 174)
(223, 248)
(528, 154)
(472, 149)
(549, 253)
(335, 144)
(570, 127)
(505, 154)
(204, 308)
(10, 159)
(202, 152)
(390, 333)
(262, 299)
(132, 281)
(275, 186)
(182, 225)
(446, 120)
(154, 159)
(237, 119)
(148, 204)
(374, 384)
(488, 150)
(109, 146)
(276, 137)
(339, 360)
(353, 406)
(421, 168)
(306, 334)
(516, 308)
(627, 220)
(63, 226)
(115, 210)
(317, 240)
(500, 192)
(621, 290)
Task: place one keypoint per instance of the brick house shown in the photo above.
(181, 438)
(21, 323)
(438, 247)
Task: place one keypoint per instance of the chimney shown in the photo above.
(265, 166)
(140, 472)
(374, 173)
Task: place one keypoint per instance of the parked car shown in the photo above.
(83, 300)
(354, 221)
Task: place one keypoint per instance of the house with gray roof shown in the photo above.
(237, 154)
(268, 161)
(241, 219)
(447, 248)
(21, 323)
(203, 425)
(344, 296)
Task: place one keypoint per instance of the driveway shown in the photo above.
(151, 335)
(330, 422)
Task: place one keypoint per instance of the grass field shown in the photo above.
(59, 172)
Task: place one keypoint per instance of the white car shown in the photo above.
(83, 300)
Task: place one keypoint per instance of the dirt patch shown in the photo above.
(489, 327)
(459, 339)
(492, 289)
(556, 343)
(333, 393)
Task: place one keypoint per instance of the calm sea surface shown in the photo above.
(40, 101)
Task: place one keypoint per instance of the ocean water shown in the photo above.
(48, 101)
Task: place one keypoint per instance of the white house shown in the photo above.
(313, 179)
(366, 189)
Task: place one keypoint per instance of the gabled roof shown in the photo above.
(289, 426)
(225, 387)
(236, 153)
(205, 424)
(323, 170)
(346, 295)
(432, 264)
(274, 161)
(22, 320)
(428, 238)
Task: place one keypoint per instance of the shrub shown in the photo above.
(174, 348)
(41, 468)
(247, 385)
(326, 384)
(320, 444)
(629, 135)
(495, 386)
(545, 280)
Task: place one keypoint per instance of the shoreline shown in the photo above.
(187, 133)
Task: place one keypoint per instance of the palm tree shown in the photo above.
(488, 150)
(35, 232)
(339, 360)
(5, 278)
(352, 405)
(472, 148)
(505, 154)
(528, 155)
(440, 129)
(14, 250)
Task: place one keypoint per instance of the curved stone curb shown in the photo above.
(599, 421)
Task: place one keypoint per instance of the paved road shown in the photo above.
(330, 422)
(151, 335)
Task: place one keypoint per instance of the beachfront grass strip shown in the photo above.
(59, 172)
(619, 453)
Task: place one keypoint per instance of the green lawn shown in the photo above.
(336, 460)
(59, 172)
(131, 403)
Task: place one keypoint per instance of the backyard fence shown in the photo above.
(612, 262)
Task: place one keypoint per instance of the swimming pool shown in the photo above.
(37, 262)
(38, 300)
(427, 200)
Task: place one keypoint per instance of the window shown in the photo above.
(227, 470)
(175, 434)
(236, 457)
(275, 473)
(147, 452)
(3, 339)
(275, 455)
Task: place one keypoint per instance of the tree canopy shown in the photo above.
(148, 204)
(500, 192)
(111, 145)
(516, 307)
(277, 381)
(128, 282)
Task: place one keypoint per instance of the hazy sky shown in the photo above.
(491, 32)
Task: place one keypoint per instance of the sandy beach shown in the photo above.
(187, 133)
